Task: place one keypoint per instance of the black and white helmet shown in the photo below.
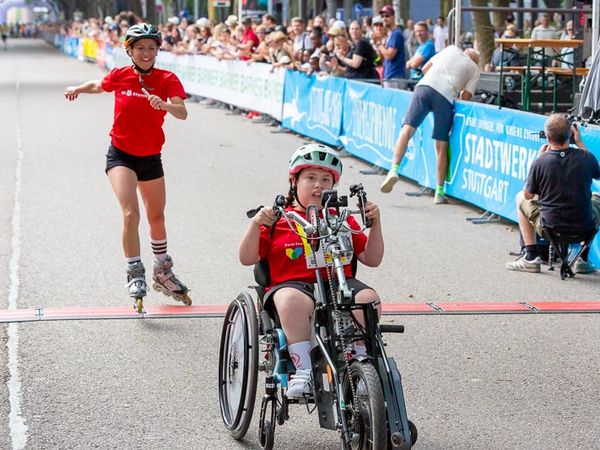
(142, 31)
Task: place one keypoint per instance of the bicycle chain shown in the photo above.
(339, 322)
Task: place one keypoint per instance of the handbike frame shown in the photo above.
(330, 358)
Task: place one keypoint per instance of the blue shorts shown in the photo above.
(426, 99)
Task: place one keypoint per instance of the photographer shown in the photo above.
(558, 193)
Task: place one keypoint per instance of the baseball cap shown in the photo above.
(387, 9)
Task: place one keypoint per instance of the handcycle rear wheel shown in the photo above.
(366, 413)
(238, 365)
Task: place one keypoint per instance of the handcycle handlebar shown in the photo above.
(330, 199)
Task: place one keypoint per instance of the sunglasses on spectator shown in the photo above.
(384, 15)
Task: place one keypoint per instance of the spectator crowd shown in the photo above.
(374, 48)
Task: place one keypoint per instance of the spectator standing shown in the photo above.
(544, 31)
(440, 34)
(359, 60)
(423, 53)
(378, 37)
(249, 40)
(269, 22)
(558, 194)
(172, 39)
(278, 55)
(301, 38)
(368, 27)
(566, 54)
(409, 37)
(393, 52)
(449, 74)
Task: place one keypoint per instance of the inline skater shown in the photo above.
(313, 168)
(143, 96)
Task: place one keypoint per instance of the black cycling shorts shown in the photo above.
(145, 167)
(308, 289)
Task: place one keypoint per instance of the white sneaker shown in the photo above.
(300, 384)
(389, 182)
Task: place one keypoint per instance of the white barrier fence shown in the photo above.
(255, 86)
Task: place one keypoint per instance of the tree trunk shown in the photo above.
(500, 16)
(484, 32)
(377, 5)
(151, 12)
(331, 5)
(404, 10)
(445, 7)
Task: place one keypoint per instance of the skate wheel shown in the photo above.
(139, 305)
(187, 300)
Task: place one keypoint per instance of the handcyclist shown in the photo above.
(313, 168)
(143, 96)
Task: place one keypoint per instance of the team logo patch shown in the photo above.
(293, 253)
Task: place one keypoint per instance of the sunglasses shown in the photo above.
(384, 15)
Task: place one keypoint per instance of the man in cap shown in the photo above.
(249, 40)
(394, 58)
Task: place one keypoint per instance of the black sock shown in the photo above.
(531, 252)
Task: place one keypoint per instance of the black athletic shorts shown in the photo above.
(145, 167)
(308, 289)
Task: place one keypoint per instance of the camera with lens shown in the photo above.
(572, 122)
(330, 199)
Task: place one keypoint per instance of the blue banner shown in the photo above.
(491, 152)
(373, 119)
(312, 106)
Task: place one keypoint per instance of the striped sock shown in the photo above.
(440, 190)
(159, 248)
(133, 260)
(395, 168)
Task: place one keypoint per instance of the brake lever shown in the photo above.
(253, 212)
(359, 191)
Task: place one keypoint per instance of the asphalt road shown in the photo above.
(484, 382)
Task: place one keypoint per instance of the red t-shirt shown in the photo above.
(137, 128)
(286, 252)
(250, 36)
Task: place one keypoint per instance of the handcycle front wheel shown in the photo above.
(238, 365)
(365, 407)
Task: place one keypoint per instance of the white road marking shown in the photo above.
(18, 429)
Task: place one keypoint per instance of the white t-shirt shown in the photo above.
(451, 71)
(440, 35)
(540, 32)
(302, 42)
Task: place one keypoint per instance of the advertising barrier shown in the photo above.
(491, 149)
(313, 105)
(250, 86)
(372, 122)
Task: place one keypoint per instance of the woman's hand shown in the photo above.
(155, 101)
(372, 211)
(265, 216)
(71, 93)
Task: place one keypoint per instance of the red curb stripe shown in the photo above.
(208, 311)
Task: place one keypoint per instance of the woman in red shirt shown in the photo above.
(313, 168)
(143, 96)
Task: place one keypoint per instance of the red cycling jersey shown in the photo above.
(287, 252)
(137, 127)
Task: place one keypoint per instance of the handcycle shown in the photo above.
(358, 394)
